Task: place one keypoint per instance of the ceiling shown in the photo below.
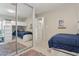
(8, 11)
(24, 11)
(45, 7)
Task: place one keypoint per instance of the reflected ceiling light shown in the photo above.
(11, 11)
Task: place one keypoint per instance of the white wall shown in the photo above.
(28, 22)
(70, 17)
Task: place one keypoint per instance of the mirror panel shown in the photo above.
(24, 27)
(7, 19)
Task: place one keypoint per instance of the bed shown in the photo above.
(20, 34)
(69, 42)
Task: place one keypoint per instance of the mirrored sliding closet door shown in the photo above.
(24, 27)
(7, 21)
(16, 22)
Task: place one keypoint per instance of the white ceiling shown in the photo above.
(45, 7)
(24, 11)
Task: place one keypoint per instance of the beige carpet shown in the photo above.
(32, 52)
(9, 48)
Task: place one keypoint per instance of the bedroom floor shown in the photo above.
(10, 47)
(43, 53)
(52, 53)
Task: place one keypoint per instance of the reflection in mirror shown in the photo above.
(7, 20)
(24, 27)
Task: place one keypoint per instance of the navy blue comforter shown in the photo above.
(21, 33)
(68, 42)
